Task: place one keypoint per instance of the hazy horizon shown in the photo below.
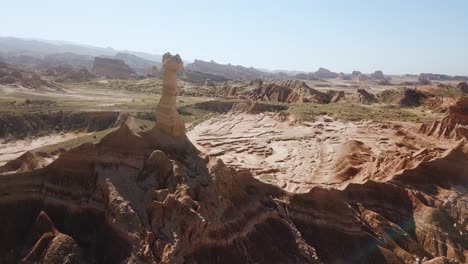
(396, 37)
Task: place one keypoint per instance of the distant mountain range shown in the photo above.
(43, 54)
(17, 46)
(33, 54)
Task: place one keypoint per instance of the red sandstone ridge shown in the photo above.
(112, 68)
(289, 92)
(455, 125)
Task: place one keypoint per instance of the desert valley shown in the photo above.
(123, 157)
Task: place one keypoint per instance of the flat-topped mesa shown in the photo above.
(167, 117)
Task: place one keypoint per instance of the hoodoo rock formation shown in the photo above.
(168, 119)
(150, 197)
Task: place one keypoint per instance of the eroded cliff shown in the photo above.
(152, 197)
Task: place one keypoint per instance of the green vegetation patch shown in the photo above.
(356, 112)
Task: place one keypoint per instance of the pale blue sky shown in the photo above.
(410, 36)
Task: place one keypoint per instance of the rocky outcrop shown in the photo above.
(81, 75)
(227, 90)
(226, 71)
(403, 97)
(306, 76)
(434, 77)
(10, 75)
(336, 96)
(379, 78)
(455, 125)
(358, 76)
(137, 64)
(323, 73)
(289, 92)
(112, 68)
(64, 73)
(152, 71)
(199, 78)
(423, 80)
(51, 246)
(378, 75)
(343, 76)
(439, 104)
(362, 96)
(27, 162)
(463, 86)
(412, 97)
(442, 77)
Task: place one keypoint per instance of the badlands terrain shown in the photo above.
(121, 157)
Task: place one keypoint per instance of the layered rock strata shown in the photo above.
(149, 197)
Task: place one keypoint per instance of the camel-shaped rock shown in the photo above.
(167, 117)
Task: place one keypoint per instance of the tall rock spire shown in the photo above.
(167, 117)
